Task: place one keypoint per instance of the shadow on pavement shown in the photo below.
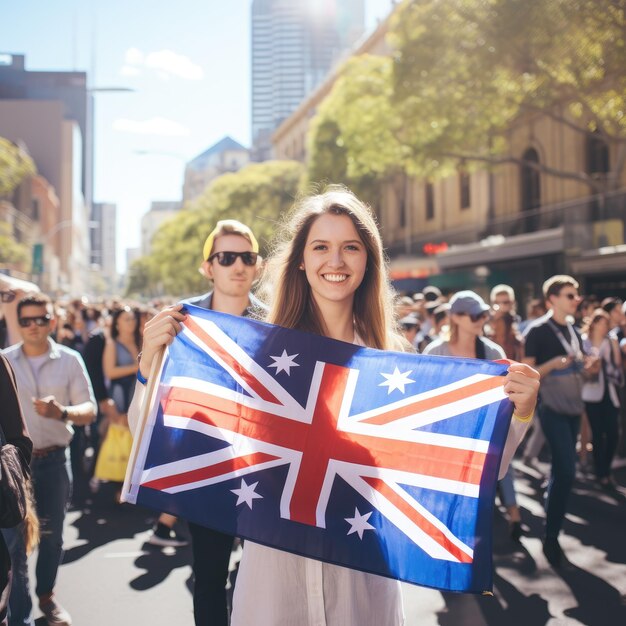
(595, 518)
(158, 563)
(103, 521)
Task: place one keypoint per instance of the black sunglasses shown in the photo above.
(228, 258)
(476, 316)
(7, 296)
(570, 296)
(39, 320)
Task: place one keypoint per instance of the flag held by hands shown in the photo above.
(384, 462)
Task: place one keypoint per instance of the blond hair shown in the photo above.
(287, 291)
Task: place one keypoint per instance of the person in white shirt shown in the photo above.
(601, 394)
(54, 392)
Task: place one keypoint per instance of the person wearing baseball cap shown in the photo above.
(231, 261)
(468, 303)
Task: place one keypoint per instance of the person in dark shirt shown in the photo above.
(555, 349)
(231, 262)
(15, 433)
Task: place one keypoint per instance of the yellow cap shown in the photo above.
(228, 227)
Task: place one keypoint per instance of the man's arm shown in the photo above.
(79, 414)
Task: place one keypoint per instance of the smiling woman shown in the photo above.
(328, 277)
(328, 273)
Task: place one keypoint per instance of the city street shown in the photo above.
(112, 576)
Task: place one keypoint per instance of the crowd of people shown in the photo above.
(81, 371)
(576, 343)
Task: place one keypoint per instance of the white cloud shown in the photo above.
(175, 64)
(153, 126)
(165, 63)
(129, 70)
(134, 56)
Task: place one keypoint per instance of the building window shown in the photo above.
(464, 189)
(430, 201)
(402, 212)
(597, 156)
(531, 190)
(36, 209)
(531, 182)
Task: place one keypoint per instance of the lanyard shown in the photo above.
(573, 347)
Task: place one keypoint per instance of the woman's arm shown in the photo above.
(522, 387)
(109, 360)
(158, 333)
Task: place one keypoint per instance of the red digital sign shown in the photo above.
(434, 248)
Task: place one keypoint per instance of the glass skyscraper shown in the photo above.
(294, 45)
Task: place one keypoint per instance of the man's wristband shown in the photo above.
(64, 416)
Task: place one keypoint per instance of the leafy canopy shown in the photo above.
(465, 70)
(15, 165)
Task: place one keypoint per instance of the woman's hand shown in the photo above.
(158, 333)
(522, 387)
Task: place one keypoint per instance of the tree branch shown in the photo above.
(581, 177)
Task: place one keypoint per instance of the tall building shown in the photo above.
(48, 113)
(159, 212)
(294, 45)
(68, 88)
(103, 237)
(227, 155)
(54, 143)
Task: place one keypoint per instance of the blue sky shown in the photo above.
(188, 63)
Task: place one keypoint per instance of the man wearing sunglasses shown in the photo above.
(12, 290)
(54, 392)
(554, 347)
(231, 262)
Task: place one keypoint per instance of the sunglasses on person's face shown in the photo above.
(228, 258)
(39, 320)
(7, 296)
(570, 296)
(475, 317)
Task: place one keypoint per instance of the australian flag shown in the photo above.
(384, 462)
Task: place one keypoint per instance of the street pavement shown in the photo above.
(111, 576)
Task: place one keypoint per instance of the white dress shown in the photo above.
(276, 588)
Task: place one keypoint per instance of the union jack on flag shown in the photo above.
(383, 462)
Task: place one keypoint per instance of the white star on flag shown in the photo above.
(284, 362)
(246, 493)
(397, 380)
(359, 523)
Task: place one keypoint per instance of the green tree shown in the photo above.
(11, 252)
(257, 195)
(142, 278)
(353, 137)
(15, 165)
(465, 70)
(176, 254)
